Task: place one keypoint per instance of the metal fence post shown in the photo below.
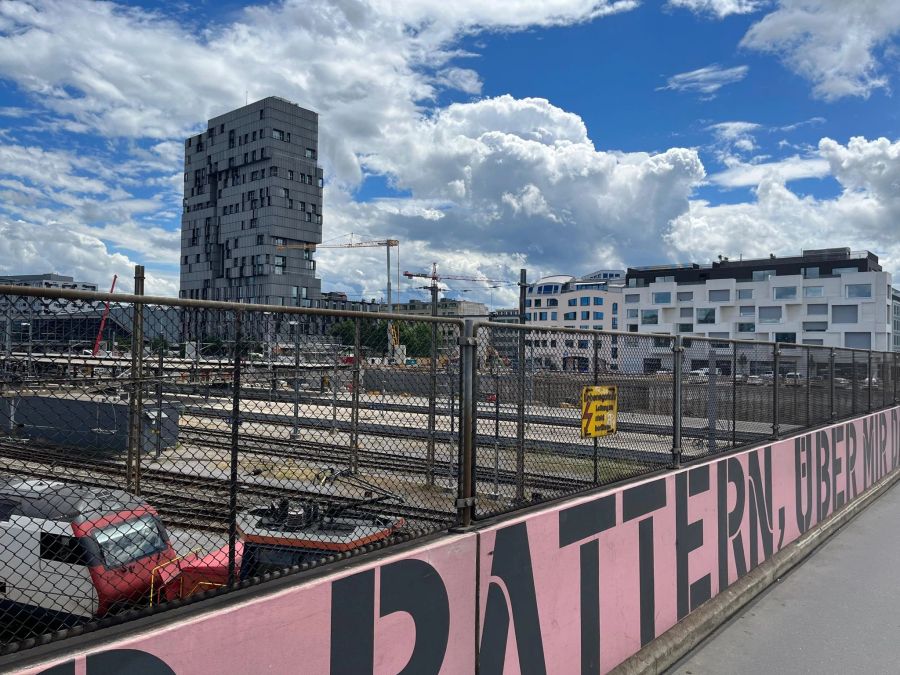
(520, 423)
(7, 339)
(466, 484)
(354, 410)
(734, 365)
(808, 384)
(853, 382)
(712, 400)
(496, 493)
(869, 380)
(451, 407)
(677, 381)
(295, 430)
(432, 394)
(776, 358)
(135, 408)
(833, 412)
(334, 386)
(596, 382)
(159, 401)
(235, 429)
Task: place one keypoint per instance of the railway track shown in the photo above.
(485, 413)
(532, 445)
(184, 495)
(377, 459)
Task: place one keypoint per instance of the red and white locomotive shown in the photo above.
(70, 552)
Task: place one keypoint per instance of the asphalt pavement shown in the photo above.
(838, 612)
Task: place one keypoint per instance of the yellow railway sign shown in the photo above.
(599, 408)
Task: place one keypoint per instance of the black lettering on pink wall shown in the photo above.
(411, 586)
(636, 502)
(126, 661)
(115, 661)
(689, 537)
(352, 624)
(730, 472)
(576, 524)
(803, 482)
(762, 517)
(837, 437)
(648, 581)
(882, 444)
(415, 587)
(852, 487)
(869, 467)
(895, 440)
(511, 565)
(823, 476)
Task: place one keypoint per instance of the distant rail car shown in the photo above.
(288, 533)
(69, 552)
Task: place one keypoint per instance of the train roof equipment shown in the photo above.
(59, 501)
(289, 532)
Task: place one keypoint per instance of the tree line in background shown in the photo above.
(373, 336)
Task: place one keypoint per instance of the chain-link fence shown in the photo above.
(529, 433)
(150, 452)
(158, 450)
(677, 399)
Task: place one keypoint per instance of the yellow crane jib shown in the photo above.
(394, 335)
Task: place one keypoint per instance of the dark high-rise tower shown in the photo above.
(251, 185)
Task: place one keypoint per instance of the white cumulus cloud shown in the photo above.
(863, 216)
(719, 8)
(835, 44)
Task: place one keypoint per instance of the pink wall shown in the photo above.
(576, 587)
(415, 610)
(581, 587)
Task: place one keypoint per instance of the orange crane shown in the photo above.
(103, 319)
(388, 245)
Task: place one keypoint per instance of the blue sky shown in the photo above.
(559, 135)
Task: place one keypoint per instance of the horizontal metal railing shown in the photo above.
(238, 425)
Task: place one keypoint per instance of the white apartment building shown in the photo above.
(831, 297)
(588, 303)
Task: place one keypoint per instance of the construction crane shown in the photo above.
(375, 243)
(103, 319)
(435, 278)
